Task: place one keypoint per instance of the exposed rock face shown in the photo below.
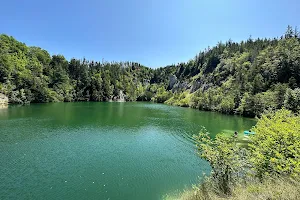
(179, 86)
(172, 81)
(195, 86)
(120, 98)
(3, 100)
(206, 86)
(146, 82)
(199, 85)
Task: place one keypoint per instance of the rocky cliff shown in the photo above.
(3, 100)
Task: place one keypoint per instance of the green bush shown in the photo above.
(292, 99)
(226, 158)
(162, 95)
(275, 148)
(180, 99)
(227, 104)
(273, 153)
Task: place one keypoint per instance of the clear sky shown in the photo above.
(152, 32)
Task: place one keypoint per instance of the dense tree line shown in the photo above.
(244, 78)
(30, 74)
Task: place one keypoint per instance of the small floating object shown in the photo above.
(249, 132)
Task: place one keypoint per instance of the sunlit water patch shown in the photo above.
(103, 150)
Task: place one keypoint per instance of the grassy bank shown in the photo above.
(281, 189)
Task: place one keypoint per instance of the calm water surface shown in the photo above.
(115, 151)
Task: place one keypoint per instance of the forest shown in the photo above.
(242, 78)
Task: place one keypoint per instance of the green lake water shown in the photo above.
(97, 150)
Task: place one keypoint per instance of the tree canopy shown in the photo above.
(244, 78)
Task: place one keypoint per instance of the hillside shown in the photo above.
(237, 78)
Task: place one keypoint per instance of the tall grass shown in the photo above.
(271, 189)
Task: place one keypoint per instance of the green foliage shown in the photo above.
(258, 84)
(244, 78)
(30, 74)
(264, 101)
(226, 159)
(162, 95)
(275, 148)
(246, 105)
(292, 99)
(227, 104)
(272, 158)
(179, 99)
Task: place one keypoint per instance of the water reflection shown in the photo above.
(71, 150)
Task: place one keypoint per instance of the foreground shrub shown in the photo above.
(226, 158)
(269, 169)
(275, 148)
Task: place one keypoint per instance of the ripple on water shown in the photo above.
(100, 150)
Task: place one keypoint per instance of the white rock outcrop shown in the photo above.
(3, 100)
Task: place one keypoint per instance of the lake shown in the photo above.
(103, 150)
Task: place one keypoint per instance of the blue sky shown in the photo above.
(152, 32)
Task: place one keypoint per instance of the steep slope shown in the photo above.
(244, 78)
